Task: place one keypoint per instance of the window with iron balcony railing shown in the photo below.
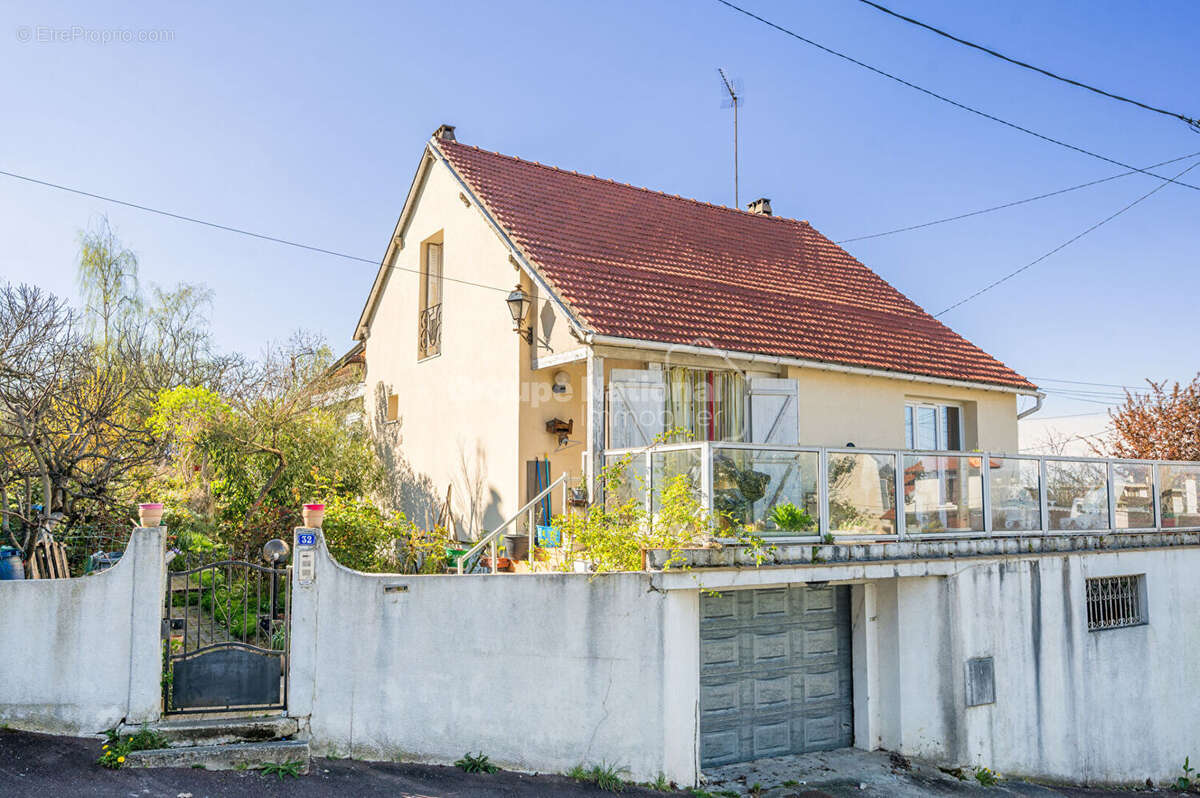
(429, 332)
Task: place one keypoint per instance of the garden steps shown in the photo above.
(245, 756)
(222, 731)
(223, 743)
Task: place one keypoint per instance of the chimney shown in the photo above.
(445, 132)
(761, 206)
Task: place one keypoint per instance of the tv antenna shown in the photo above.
(735, 99)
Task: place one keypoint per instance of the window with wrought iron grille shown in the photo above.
(1115, 601)
(429, 318)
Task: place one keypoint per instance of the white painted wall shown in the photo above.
(1113, 706)
(78, 656)
(540, 672)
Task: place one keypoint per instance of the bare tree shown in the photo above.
(68, 413)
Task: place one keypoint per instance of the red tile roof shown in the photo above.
(636, 263)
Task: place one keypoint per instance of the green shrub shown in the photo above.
(476, 763)
(790, 518)
(613, 534)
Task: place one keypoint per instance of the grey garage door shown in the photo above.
(774, 673)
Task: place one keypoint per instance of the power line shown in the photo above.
(238, 230)
(1047, 195)
(1193, 123)
(1066, 243)
(945, 99)
(1083, 382)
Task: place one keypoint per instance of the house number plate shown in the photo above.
(306, 539)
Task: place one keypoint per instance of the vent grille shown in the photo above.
(1114, 602)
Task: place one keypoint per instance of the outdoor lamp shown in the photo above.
(275, 550)
(518, 307)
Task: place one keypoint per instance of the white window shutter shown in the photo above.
(637, 403)
(774, 411)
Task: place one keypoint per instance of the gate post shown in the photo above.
(146, 553)
(307, 544)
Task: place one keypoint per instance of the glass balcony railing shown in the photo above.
(811, 492)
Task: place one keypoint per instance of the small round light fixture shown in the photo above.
(518, 307)
(562, 381)
(275, 550)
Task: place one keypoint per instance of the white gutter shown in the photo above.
(776, 360)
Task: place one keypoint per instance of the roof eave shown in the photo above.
(822, 365)
(394, 245)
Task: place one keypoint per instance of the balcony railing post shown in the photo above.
(1112, 498)
(985, 491)
(1043, 496)
(1156, 481)
(898, 497)
(706, 477)
(823, 526)
(648, 494)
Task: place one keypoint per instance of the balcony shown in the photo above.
(852, 497)
(429, 332)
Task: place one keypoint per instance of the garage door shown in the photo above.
(774, 673)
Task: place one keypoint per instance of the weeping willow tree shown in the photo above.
(107, 278)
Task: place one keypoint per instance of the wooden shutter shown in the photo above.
(774, 411)
(637, 402)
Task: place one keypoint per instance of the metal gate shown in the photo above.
(775, 673)
(227, 638)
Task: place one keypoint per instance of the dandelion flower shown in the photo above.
(120, 759)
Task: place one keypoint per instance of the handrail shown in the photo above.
(490, 537)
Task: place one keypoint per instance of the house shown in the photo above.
(942, 595)
(638, 313)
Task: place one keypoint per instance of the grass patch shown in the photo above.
(476, 763)
(284, 770)
(605, 776)
(661, 783)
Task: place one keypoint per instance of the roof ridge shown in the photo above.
(611, 181)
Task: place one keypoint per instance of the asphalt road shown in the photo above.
(43, 766)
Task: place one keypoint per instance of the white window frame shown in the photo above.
(911, 408)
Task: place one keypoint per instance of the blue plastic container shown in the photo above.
(11, 566)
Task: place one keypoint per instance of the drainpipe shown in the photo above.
(1039, 397)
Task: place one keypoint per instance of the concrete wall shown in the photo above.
(539, 672)
(1112, 706)
(78, 656)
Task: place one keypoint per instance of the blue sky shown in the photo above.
(305, 121)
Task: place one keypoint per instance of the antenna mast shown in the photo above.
(733, 97)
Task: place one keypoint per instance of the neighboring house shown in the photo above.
(347, 373)
(647, 312)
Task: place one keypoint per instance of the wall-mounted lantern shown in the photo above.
(518, 308)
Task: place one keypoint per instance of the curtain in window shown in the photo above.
(706, 405)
